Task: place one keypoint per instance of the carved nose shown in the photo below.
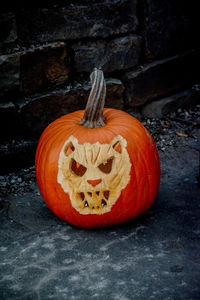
(94, 182)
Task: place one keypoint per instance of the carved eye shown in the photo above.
(77, 168)
(69, 149)
(106, 167)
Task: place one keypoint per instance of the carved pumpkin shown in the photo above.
(97, 167)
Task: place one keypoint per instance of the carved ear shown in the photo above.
(117, 147)
(70, 146)
(69, 149)
(118, 143)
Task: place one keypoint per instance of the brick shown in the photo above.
(75, 21)
(117, 54)
(161, 78)
(8, 29)
(37, 113)
(9, 74)
(9, 121)
(44, 67)
(169, 27)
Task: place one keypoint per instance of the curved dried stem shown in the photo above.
(93, 116)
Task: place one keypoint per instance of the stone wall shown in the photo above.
(147, 49)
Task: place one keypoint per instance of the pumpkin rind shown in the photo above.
(135, 198)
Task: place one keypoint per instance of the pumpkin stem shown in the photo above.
(93, 116)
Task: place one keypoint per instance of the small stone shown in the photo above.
(170, 143)
(187, 114)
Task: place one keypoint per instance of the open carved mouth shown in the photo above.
(94, 199)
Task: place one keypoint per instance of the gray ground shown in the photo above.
(155, 256)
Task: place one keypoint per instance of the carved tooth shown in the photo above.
(103, 202)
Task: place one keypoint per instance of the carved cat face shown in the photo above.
(94, 174)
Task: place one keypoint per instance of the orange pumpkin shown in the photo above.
(97, 167)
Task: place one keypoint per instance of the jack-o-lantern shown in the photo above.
(99, 166)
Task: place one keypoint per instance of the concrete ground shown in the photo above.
(155, 256)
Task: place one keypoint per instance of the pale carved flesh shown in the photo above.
(94, 174)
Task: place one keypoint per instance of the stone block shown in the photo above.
(9, 121)
(37, 113)
(114, 94)
(161, 78)
(77, 20)
(44, 67)
(159, 108)
(9, 73)
(169, 27)
(116, 54)
(8, 29)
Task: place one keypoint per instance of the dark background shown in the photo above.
(147, 49)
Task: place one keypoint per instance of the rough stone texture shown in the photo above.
(160, 78)
(43, 47)
(169, 27)
(155, 256)
(8, 29)
(44, 67)
(185, 99)
(117, 54)
(9, 74)
(114, 93)
(37, 113)
(77, 21)
(9, 120)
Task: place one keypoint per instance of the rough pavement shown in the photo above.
(155, 256)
